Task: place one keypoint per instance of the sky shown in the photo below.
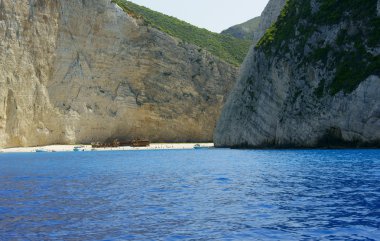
(214, 15)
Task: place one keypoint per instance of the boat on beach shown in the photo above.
(117, 143)
(198, 146)
(114, 143)
(40, 150)
(78, 148)
(140, 143)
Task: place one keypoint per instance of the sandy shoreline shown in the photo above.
(70, 148)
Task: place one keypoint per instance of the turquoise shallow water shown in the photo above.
(191, 195)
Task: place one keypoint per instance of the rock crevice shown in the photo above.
(292, 91)
(84, 71)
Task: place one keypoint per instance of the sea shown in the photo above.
(205, 194)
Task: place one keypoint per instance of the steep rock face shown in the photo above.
(268, 17)
(83, 71)
(310, 81)
(28, 31)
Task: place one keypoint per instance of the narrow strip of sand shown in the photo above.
(69, 148)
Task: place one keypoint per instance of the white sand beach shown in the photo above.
(69, 148)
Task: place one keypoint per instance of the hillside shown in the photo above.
(351, 56)
(313, 80)
(244, 30)
(228, 48)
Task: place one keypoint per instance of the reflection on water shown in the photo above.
(191, 195)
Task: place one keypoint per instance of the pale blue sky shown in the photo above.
(214, 15)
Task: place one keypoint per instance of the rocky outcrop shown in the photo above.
(311, 81)
(84, 71)
(267, 18)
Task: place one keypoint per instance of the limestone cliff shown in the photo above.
(83, 71)
(267, 18)
(312, 80)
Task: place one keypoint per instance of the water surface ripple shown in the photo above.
(191, 195)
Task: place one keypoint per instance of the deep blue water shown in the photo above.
(191, 195)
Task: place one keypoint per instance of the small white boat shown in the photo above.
(41, 150)
(198, 146)
(78, 148)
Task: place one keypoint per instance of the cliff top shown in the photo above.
(354, 47)
(244, 30)
(227, 48)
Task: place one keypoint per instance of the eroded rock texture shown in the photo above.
(83, 71)
(310, 82)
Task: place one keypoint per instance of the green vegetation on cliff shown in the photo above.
(226, 47)
(350, 58)
(244, 30)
